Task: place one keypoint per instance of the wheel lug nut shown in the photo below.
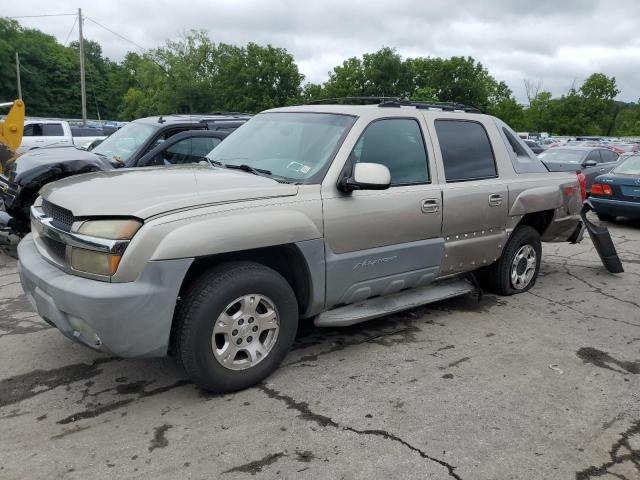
(255, 328)
(234, 333)
(241, 321)
(239, 341)
(249, 339)
(250, 319)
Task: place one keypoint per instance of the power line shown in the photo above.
(71, 31)
(116, 34)
(39, 16)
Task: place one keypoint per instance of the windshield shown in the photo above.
(631, 166)
(122, 144)
(293, 146)
(562, 155)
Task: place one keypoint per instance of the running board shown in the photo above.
(393, 303)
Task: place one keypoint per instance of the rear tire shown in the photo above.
(606, 218)
(235, 325)
(516, 271)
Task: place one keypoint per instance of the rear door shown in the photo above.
(474, 197)
(609, 160)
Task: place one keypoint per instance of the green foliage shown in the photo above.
(196, 75)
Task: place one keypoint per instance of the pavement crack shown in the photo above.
(257, 465)
(584, 314)
(306, 414)
(600, 291)
(622, 451)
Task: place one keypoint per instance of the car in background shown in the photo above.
(42, 133)
(141, 143)
(534, 146)
(592, 161)
(627, 147)
(617, 193)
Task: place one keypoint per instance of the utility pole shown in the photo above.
(83, 91)
(18, 76)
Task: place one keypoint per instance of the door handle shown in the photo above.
(430, 206)
(602, 169)
(495, 200)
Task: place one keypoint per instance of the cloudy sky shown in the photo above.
(556, 42)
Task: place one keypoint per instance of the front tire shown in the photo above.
(516, 271)
(235, 324)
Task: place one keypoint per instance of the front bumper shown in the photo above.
(605, 206)
(130, 319)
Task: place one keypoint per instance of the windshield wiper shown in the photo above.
(248, 168)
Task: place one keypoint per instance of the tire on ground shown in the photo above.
(496, 278)
(206, 298)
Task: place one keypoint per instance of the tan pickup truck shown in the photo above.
(329, 213)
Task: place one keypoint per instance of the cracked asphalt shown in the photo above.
(539, 385)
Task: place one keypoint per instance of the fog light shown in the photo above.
(82, 329)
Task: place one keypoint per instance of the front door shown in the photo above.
(380, 242)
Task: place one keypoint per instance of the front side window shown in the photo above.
(122, 144)
(466, 150)
(397, 144)
(188, 150)
(593, 155)
(294, 146)
(32, 130)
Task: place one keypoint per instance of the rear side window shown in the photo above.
(522, 158)
(608, 156)
(466, 150)
(53, 130)
(396, 143)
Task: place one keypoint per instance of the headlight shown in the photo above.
(111, 229)
(116, 234)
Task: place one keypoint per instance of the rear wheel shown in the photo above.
(235, 324)
(517, 269)
(606, 218)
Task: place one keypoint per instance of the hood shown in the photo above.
(562, 166)
(145, 192)
(36, 166)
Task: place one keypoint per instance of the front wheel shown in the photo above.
(517, 269)
(235, 324)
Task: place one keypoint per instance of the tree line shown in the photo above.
(196, 75)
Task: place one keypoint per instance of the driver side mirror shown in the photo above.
(367, 176)
(589, 163)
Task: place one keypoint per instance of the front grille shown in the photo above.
(61, 217)
(56, 249)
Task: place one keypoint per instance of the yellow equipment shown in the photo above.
(11, 129)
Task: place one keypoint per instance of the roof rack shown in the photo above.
(384, 101)
(444, 106)
(363, 100)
